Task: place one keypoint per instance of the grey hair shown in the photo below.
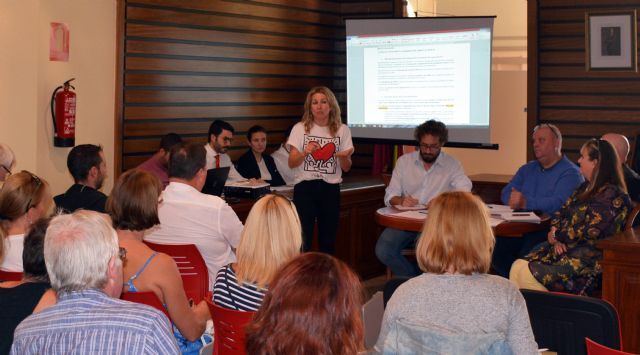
(554, 130)
(7, 158)
(77, 250)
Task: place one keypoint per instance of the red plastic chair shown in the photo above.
(228, 328)
(148, 298)
(195, 277)
(594, 348)
(10, 276)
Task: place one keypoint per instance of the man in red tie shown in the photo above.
(220, 135)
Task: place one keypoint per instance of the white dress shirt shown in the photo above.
(281, 158)
(411, 179)
(188, 216)
(225, 161)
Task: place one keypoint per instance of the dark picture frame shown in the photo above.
(611, 40)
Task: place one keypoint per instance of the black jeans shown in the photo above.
(316, 199)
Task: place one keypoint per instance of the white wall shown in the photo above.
(25, 120)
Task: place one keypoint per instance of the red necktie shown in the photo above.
(217, 161)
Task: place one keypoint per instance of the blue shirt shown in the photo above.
(411, 179)
(545, 189)
(90, 322)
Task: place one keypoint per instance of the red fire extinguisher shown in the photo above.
(63, 112)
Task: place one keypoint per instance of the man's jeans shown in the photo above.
(389, 248)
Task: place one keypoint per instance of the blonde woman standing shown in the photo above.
(270, 238)
(321, 150)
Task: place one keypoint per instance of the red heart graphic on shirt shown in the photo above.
(325, 153)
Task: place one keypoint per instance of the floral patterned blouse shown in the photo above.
(579, 226)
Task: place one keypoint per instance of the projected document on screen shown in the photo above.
(401, 73)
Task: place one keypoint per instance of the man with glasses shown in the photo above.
(84, 264)
(418, 177)
(7, 161)
(88, 168)
(220, 136)
(540, 185)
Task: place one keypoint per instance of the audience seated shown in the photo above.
(542, 185)
(455, 305)
(621, 144)
(281, 158)
(7, 161)
(569, 260)
(85, 267)
(188, 216)
(313, 307)
(417, 178)
(255, 164)
(158, 163)
(24, 199)
(220, 136)
(270, 238)
(18, 299)
(88, 168)
(133, 207)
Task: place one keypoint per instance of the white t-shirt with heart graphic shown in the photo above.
(323, 163)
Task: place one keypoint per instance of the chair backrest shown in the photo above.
(148, 298)
(594, 348)
(561, 322)
(228, 329)
(10, 276)
(193, 270)
(632, 217)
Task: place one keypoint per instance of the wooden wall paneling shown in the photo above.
(583, 104)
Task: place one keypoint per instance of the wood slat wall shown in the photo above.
(184, 63)
(582, 103)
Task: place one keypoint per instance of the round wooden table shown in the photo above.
(385, 217)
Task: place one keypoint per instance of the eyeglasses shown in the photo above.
(6, 170)
(428, 147)
(38, 182)
(122, 253)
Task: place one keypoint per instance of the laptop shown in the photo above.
(216, 179)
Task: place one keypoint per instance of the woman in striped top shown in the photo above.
(271, 237)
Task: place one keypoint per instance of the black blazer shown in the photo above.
(247, 166)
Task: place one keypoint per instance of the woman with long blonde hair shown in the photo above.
(24, 198)
(321, 150)
(271, 237)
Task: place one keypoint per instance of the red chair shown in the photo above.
(195, 277)
(10, 276)
(148, 298)
(594, 348)
(228, 329)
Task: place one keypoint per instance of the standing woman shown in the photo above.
(569, 260)
(321, 150)
(24, 198)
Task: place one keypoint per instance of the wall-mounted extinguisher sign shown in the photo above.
(63, 112)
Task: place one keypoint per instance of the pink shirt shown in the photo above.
(155, 166)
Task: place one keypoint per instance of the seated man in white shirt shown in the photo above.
(417, 178)
(220, 135)
(188, 216)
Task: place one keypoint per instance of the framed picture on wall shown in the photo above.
(611, 40)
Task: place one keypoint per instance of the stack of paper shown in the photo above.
(528, 217)
(410, 208)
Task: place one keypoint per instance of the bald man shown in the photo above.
(631, 178)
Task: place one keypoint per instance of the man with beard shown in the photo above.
(540, 185)
(417, 178)
(220, 136)
(158, 163)
(88, 168)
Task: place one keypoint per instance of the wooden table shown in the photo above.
(621, 283)
(507, 229)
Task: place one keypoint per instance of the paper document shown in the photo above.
(247, 184)
(528, 217)
(493, 208)
(410, 208)
(412, 214)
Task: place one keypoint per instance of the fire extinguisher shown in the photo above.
(63, 113)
